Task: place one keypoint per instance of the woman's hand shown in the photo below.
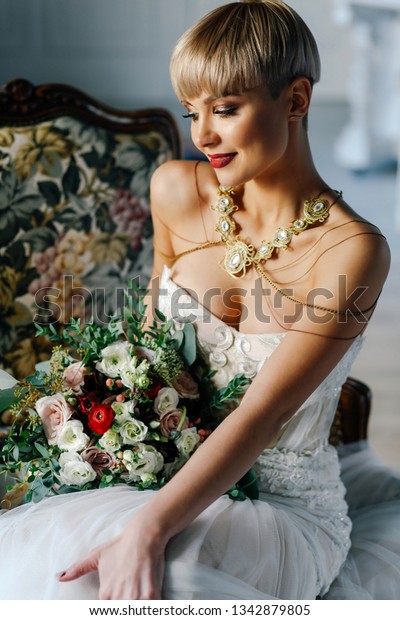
(130, 566)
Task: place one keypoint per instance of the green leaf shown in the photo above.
(15, 453)
(16, 252)
(48, 479)
(249, 484)
(38, 379)
(160, 315)
(92, 159)
(247, 487)
(177, 339)
(38, 490)
(40, 238)
(50, 192)
(7, 399)
(42, 450)
(189, 350)
(71, 180)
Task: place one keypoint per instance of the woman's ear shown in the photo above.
(299, 98)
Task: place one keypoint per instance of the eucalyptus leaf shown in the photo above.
(7, 399)
(42, 450)
(188, 350)
(38, 490)
(177, 339)
(38, 379)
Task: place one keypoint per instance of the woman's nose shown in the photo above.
(204, 134)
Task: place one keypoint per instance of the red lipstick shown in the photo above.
(220, 160)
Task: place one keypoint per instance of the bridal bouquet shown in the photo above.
(119, 403)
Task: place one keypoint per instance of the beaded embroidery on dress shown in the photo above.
(290, 544)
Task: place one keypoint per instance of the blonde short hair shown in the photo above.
(243, 45)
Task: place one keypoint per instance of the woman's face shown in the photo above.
(243, 136)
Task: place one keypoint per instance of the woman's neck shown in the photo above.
(281, 193)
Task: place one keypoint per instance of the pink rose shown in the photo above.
(54, 412)
(98, 459)
(170, 421)
(74, 376)
(185, 385)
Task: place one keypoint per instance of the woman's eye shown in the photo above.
(230, 111)
(191, 115)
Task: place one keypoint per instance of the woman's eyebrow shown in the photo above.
(211, 98)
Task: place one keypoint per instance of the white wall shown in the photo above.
(118, 50)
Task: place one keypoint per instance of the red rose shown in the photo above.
(100, 418)
(153, 390)
(86, 405)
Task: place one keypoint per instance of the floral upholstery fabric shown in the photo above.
(74, 227)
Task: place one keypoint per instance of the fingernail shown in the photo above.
(61, 575)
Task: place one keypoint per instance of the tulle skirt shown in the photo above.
(372, 568)
(233, 550)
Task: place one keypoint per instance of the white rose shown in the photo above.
(132, 431)
(110, 441)
(74, 470)
(166, 400)
(135, 376)
(124, 408)
(54, 412)
(128, 455)
(72, 437)
(188, 441)
(143, 463)
(114, 359)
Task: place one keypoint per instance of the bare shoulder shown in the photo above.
(178, 192)
(176, 186)
(357, 251)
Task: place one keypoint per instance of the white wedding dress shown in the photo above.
(292, 543)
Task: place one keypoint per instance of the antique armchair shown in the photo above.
(350, 423)
(74, 209)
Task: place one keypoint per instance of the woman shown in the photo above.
(292, 322)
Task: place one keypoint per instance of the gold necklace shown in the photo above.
(239, 255)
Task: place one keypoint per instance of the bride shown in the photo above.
(280, 277)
